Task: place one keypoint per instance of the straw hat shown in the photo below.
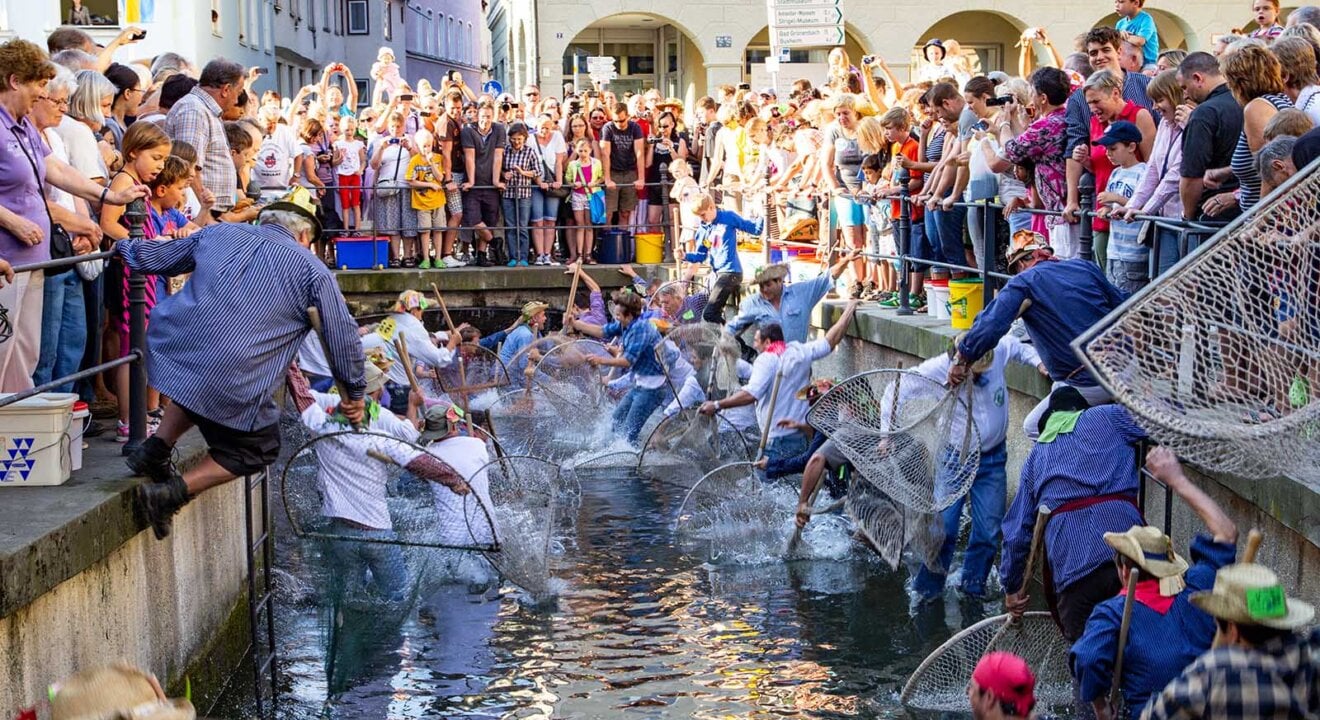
(1152, 551)
(670, 103)
(375, 378)
(376, 357)
(299, 202)
(115, 691)
(816, 388)
(1023, 243)
(1250, 594)
(772, 272)
(532, 308)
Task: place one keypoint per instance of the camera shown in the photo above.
(263, 71)
(999, 101)
(455, 76)
(140, 35)
(426, 113)
(394, 141)
(744, 86)
(406, 97)
(505, 107)
(868, 59)
(653, 140)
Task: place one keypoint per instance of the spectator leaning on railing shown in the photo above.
(25, 221)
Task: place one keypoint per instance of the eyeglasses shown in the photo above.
(57, 103)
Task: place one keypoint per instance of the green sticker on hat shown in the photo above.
(688, 315)
(1266, 603)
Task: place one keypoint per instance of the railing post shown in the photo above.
(1086, 199)
(989, 241)
(135, 215)
(903, 239)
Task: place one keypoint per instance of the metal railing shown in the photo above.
(135, 215)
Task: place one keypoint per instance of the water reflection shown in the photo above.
(643, 629)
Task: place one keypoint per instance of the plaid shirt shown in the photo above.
(1279, 680)
(195, 119)
(519, 187)
(638, 340)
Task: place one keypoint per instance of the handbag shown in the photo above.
(61, 244)
(596, 201)
(548, 175)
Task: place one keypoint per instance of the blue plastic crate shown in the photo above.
(361, 253)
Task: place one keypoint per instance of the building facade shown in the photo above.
(293, 39)
(685, 47)
(512, 25)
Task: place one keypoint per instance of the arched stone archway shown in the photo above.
(1175, 33)
(988, 39)
(807, 62)
(649, 51)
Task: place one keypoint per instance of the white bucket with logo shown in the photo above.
(35, 440)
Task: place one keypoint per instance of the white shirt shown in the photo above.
(795, 362)
(311, 357)
(462, 521)
(1308, 101)
(691, 394)
(550, 150)
(58, 150)
(351, 164)
(989, 392)
(274, 163)
(353, 484)
(420, 348)
(80, 142)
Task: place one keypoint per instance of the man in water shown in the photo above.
(353, 477)
(1002, 688)
(783, 366)
(462, 521)
(520, 338)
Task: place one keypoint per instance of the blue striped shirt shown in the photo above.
(222, 344)
(639, 341)
(1097, 458)
(793, 313)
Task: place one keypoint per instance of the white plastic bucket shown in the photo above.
(34, 440)
(937, 295)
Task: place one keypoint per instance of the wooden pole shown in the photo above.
(314, 318)
(444, 309)
(401, 345)
(465, 399)
(571, 306)
(1115, 689)
(770, 419)
(1253, 546)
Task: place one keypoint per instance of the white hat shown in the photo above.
(1250, 594)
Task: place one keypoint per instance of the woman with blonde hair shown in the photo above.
(842, 158)
(1255, 78)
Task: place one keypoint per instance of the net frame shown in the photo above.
(556, 373)
(482, 369)
(939, 684)
(897, 429)
(688, 289)
(505, 493)
(1220, 359)
(669, 437)
(471, 501)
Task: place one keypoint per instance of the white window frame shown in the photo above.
(365, 6)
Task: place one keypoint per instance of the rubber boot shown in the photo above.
(154, 460)
(157, 503)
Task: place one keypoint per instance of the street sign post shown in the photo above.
(807, 15)
(601, 68)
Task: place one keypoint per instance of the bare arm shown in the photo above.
(835, 334)
(1164, 465)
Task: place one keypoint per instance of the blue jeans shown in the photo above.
(389, 571)
(920, 246)
(932, 229)
(93, 311)
(63, 329)
(1169, 251)
(989, 498)
(635, 408)
(517, 212)
(784, 447)
(951, 235)
(544, 207)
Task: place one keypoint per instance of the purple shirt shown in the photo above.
(20, 188)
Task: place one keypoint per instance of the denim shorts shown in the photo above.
(544, 206)
(848, 212)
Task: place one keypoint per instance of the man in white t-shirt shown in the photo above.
(279, 147)
(462, 522)
(788, 367)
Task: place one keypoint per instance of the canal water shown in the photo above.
(644, 626)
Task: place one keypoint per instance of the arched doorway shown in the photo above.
(1175, 33)
(649, 51)
(805, 62)
(988, 39)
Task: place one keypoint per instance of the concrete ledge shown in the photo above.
(83, 584)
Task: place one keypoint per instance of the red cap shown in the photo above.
(1009, 679)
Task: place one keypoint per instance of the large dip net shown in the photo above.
(736, 517)
(473, 380)
(906, 434)
(569, 381)
(682, 301)
(1220, 359)
(939, 684)
(693, 442)
(525, 493)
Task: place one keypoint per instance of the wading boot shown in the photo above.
(154, 460)
(157, 503)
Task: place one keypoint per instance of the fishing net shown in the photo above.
(939, 684)
(689, 439)
(610, 464)
(569, 381)
(531, 421)
(905, 433)
(682, 301)
(524, 492)
(1220, 359)
(737, 517)
(516, 366)
(332, 472)
(476, 373)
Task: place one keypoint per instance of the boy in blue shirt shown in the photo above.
(1138, 28)
(717, 240)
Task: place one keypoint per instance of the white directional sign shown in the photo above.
(800, 3)
(807, 36)
(601, 68)
(806, 15)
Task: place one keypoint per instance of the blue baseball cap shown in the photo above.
(1121, 131)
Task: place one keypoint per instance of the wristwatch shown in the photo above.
(717, 405)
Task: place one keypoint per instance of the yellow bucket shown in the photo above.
(650, 248)
(965, 301)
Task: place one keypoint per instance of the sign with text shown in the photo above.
(601, 68)
(804, 3)
(807, 36)
(806, 15)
